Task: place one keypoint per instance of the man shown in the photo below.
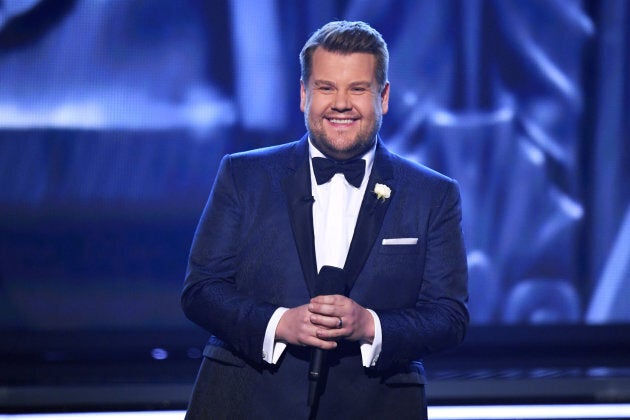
(287, 265)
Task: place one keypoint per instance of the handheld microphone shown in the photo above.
(330, 281)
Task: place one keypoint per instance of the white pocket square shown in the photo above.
(400, 241)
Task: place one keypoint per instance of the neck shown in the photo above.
(341, 157)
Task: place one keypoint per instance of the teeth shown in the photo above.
(337, 121)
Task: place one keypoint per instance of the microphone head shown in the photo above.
(331, 281)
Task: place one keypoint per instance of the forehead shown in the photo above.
(336, 66)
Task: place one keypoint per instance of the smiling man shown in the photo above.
(327, 268)
(343, 102)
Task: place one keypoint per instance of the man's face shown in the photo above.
(342, 104)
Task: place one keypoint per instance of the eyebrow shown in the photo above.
(321, 82)
(362, 83)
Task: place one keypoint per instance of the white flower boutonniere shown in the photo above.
(382, 191)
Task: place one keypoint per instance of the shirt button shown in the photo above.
(264, 355)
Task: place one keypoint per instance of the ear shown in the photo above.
(302, 96)
(385, 98)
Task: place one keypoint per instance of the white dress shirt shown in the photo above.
(335, 213)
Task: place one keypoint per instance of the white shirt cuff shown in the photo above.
(272, 350)
(370, 352)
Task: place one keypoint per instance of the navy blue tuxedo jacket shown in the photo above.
(253, 252)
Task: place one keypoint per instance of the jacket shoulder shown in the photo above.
(414, 171)
(277, 152)
(263, 166)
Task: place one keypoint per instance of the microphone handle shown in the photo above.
(330, 281)
(315, 371)
(317, 361)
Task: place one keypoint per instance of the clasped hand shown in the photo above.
(317, 323)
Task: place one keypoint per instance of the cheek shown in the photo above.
(314, 110)
(313, 105)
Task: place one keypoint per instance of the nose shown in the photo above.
(341, 101)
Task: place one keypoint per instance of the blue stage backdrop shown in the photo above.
(115, 114)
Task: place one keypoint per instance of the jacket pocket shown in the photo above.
(413, 375)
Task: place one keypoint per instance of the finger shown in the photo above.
(321, 308)
(329, 322)
(325, 344)
(319, 341)
(324, 309)
(328, 299)
(334, 334)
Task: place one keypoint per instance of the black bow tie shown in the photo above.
(325, 169)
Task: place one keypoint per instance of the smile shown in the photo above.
(341, 121)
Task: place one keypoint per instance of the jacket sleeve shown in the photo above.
(439, 319)
(210, 296)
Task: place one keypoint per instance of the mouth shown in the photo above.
(341, 121)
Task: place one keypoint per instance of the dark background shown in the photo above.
(115, 114)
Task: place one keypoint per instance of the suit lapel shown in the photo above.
(371, 215)
(297, 187)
